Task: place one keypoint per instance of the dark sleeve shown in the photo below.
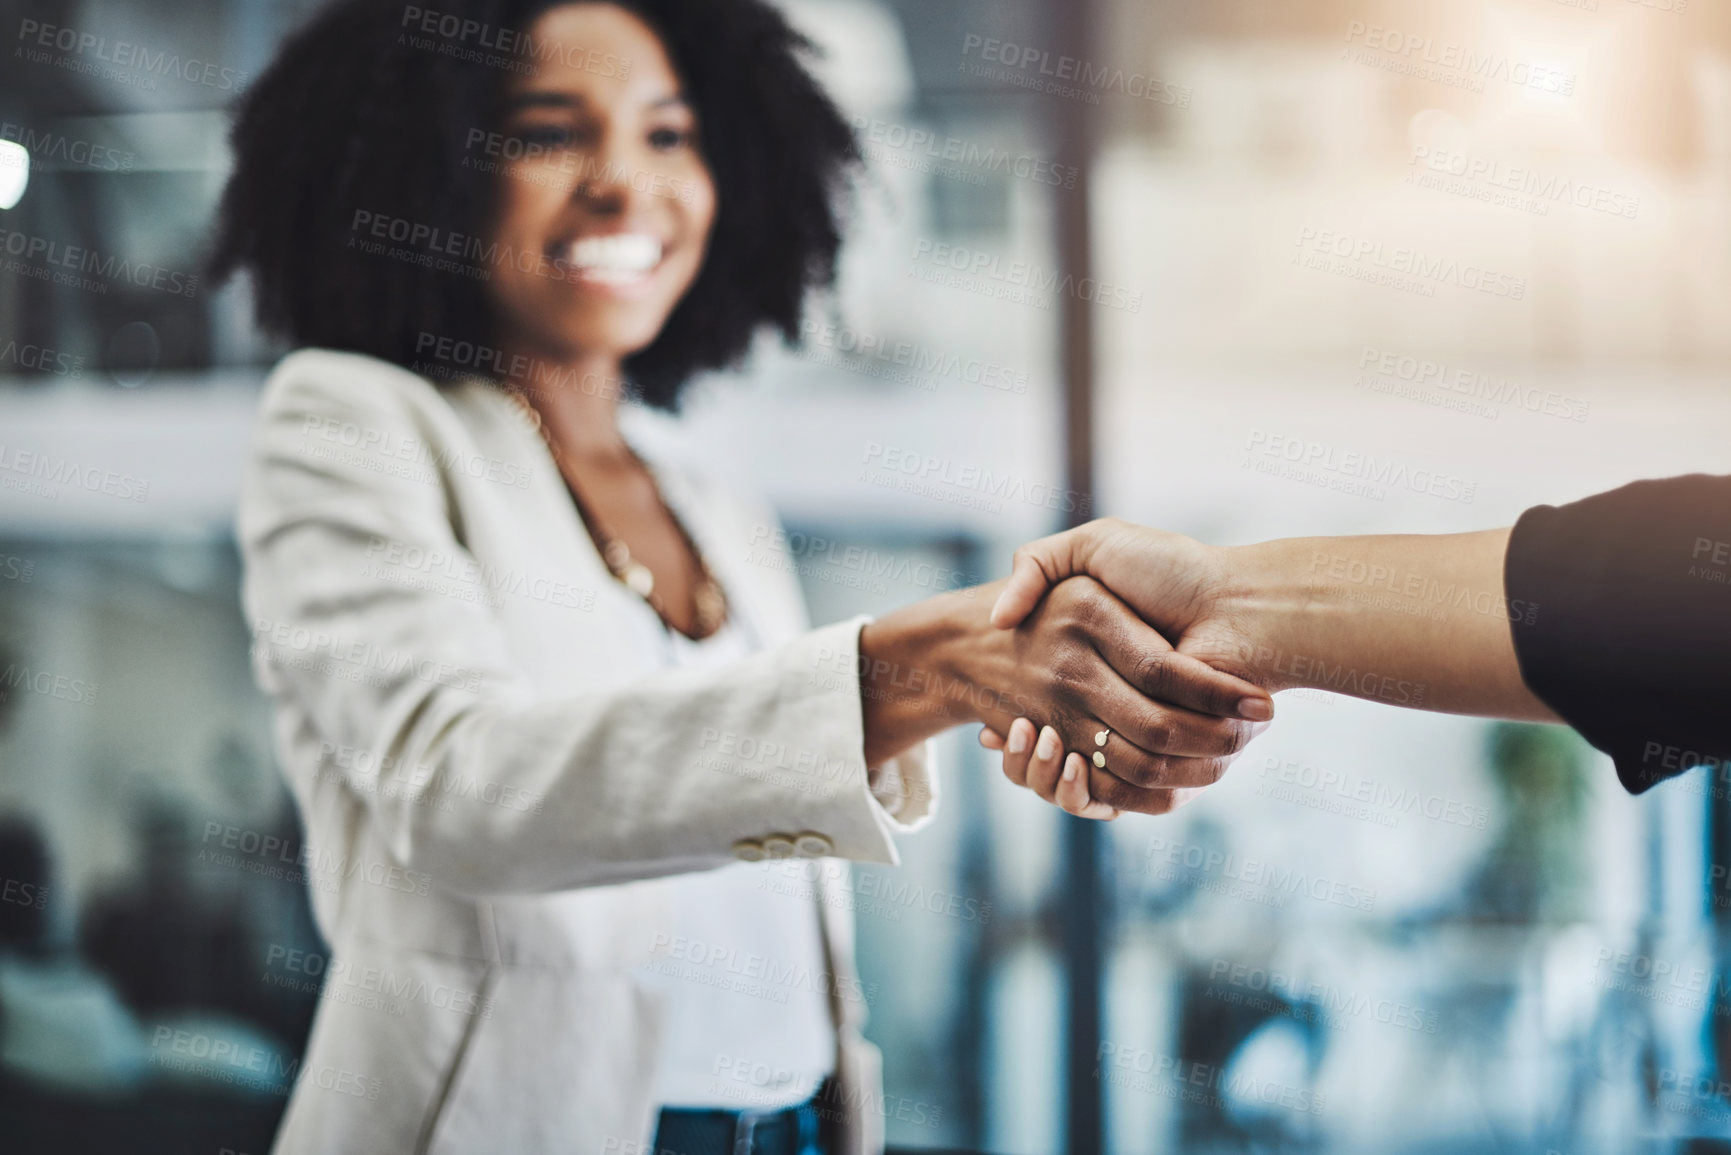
(1628, 635)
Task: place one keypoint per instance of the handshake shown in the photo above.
(1124, 668)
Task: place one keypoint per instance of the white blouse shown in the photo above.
(749, 1024)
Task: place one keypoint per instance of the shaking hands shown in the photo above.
(1174, 584)
(1397, 619)
(1126, 721)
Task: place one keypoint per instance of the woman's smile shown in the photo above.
(616, 263)
(614, 258)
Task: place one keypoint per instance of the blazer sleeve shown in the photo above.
(1629, 635)
(510, 792)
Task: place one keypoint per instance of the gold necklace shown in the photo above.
(709, 602)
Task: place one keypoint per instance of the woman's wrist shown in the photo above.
(921, 667)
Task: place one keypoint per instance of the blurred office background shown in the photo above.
(1484, 240)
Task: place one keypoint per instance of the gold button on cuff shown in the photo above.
(778, 846)
(812, 845)
(749, 850)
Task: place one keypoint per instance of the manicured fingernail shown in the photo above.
(1047, 746)
(1069, 769)
(1255, 709)
(1018, 740)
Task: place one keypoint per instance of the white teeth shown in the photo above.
(617, 257)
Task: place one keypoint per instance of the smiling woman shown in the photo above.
(392, 117)
(587, 786)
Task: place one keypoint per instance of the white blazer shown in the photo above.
(494, 768)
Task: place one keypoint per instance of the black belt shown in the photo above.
(705, 1131)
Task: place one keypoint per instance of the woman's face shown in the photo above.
(605, 203)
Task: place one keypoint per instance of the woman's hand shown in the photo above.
(1033, 759)
(1094, 673)
(1171, 581)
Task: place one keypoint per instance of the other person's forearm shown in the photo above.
(1412, 620)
